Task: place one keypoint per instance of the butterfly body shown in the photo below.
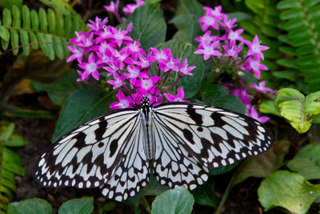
(184, 140)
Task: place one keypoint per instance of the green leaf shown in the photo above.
(9, 3)
(82, 106)
(205, 194)
(4, 33)
(60, 5)
(149, 27)
(30, 206)
(187, 7)
(6, 130)
(269, 107)
(60, 89)
(288, 190)
(307, 162)
(297, 108)
(261, 166)
(77, 206)
(174, 201)
(16, 141)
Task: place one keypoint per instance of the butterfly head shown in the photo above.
(145, 101)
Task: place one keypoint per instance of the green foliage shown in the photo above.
(301, 21)
(30, 29)
(300, 110)
(75, 206)
(307, 162)
(288, 190)
(149, 27)
(30, 206)
(175, 201)
(263, 23)
(10, 163)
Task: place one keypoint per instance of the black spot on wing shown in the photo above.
(113, 147)
(197, 118)
(101, 130)
(188, 135)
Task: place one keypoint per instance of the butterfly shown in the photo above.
(182, 141)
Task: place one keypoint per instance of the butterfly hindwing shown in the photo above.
(215, 137)
(97, 154)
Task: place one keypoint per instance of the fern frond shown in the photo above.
(301, 20)
(30, 29)
(10, 163)
(265, 19)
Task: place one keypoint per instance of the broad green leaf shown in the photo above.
(188, 28)
(149, 27)
(60, 89)
(30, 206)
(230, 102)
(187, 7)
(205, 194)
(174, 201)
(82, 106)
(224, 169)
(307, 162)
(261, 166)
(77, 206)
(288, 190)
(297, 108)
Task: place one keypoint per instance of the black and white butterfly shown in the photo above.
(182, 141)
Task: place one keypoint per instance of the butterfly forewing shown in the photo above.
(213, 136)
(96, 154)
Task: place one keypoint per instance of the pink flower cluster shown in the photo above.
(226, 51)
(107, 52)
(128, 9)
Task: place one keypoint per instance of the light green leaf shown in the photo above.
(288, 190)
(297, 108)
(174, 201)
(269, 107)
(307, 162)
(77, 206)
(30, 206)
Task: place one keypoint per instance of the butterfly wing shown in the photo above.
(99, 154)
(206, 137)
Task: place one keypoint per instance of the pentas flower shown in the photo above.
(170, 64)
(206, 38)
(207, 22)
(113, 7)
(228, 24)
(145, 85)
(125, 65)
(91, 67)
(232, 50)
(261, 87)
(124, 102)
(252, 112)
(208, 50)
(184, 69)
(255, 66)
(78, 54)
(97, 24)
(235, 35)
(130, 8)
(118, 36)
(117, 82)
(178, 98)
(255, 48)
